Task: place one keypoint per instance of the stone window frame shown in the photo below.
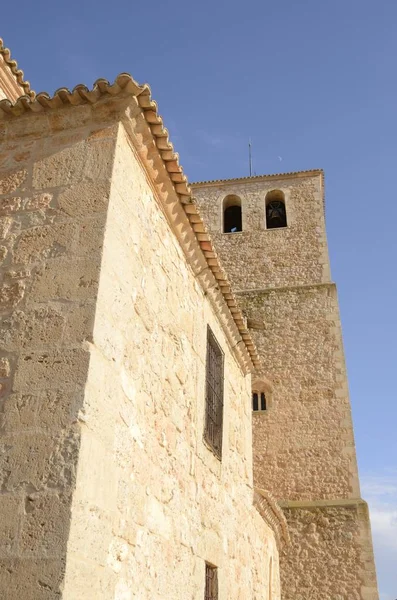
(262, 386)
(286, 198)
(222, 211)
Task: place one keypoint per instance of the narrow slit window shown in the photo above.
(263, 401)
(214, 395)
(211, 582)
(255, 405)
(232, 215)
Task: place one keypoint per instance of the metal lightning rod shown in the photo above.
(250, 156)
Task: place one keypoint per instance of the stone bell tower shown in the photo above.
(270, 234)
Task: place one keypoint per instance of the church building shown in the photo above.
(174, 420)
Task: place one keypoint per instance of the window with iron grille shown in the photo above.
(214, 395)
(211, 582)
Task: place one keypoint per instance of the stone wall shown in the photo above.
(283, 280)
(108, 490)
(256, 257)
(54, 187)
(303, 444)
(331, 553)
(159, 503)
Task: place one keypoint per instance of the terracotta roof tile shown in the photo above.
(18, 73)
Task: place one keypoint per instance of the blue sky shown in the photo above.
(314, 84)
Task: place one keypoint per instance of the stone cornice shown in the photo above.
(313, 504)
(256, 178)
(286, 288)
(271, 512)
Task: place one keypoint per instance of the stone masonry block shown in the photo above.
(37, 202)
(72, 279)
(11, 295)
(79, 322)
(10, 182)
(50, 410)
(5, 368)
(3, 254)
(38, 371)
(45, 528)
(35, 328)
(32, 126)
(61, 168)
(40, 243)
(70, 118)
(31, 579)
(100, 156)
(80, 570)
(91, 237)
(5, 225)
(92, 530)
(84, 198)
(10, 204)
(83, 161)
(26, 461)
(11, 513)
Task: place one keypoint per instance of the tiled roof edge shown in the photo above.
(125, 85)
(18, 73)
(262, 176)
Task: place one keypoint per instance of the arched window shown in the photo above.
(276, 215)
(258, 401)
(232, 215)
(261, 394)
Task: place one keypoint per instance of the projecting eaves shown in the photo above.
(12, 83)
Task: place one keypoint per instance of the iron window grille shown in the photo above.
(214, 395)
(211, 582)
(258, 401)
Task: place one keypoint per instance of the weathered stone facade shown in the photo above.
(108, 282)
(304, 451)
(108, 490)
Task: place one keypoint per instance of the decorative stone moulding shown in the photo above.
(124, 86)
(271, 512)
(17, 73)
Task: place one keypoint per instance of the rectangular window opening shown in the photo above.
(214, 395)
(263, 401)
(211, 582)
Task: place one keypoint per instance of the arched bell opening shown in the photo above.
(276, 214)
(232, 214)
